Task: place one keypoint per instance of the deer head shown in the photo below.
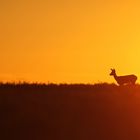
(113, 72)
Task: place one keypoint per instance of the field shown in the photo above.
(69, 112)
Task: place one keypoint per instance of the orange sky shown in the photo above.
(73, 41)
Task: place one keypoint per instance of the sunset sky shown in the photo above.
(72, 41)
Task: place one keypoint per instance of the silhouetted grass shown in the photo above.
(69, 111)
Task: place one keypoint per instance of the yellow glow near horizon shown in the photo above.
(68, 41)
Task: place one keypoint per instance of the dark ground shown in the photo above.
(69, 112)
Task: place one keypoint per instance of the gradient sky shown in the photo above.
(73, 41)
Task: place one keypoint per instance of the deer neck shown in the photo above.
(115, 76)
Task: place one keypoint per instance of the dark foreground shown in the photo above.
(69, 112)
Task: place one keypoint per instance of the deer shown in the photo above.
(124, 80)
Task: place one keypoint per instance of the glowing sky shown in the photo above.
(73, 41)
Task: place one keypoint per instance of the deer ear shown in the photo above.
(111, 69)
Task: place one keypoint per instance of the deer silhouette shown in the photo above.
(123, 80)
